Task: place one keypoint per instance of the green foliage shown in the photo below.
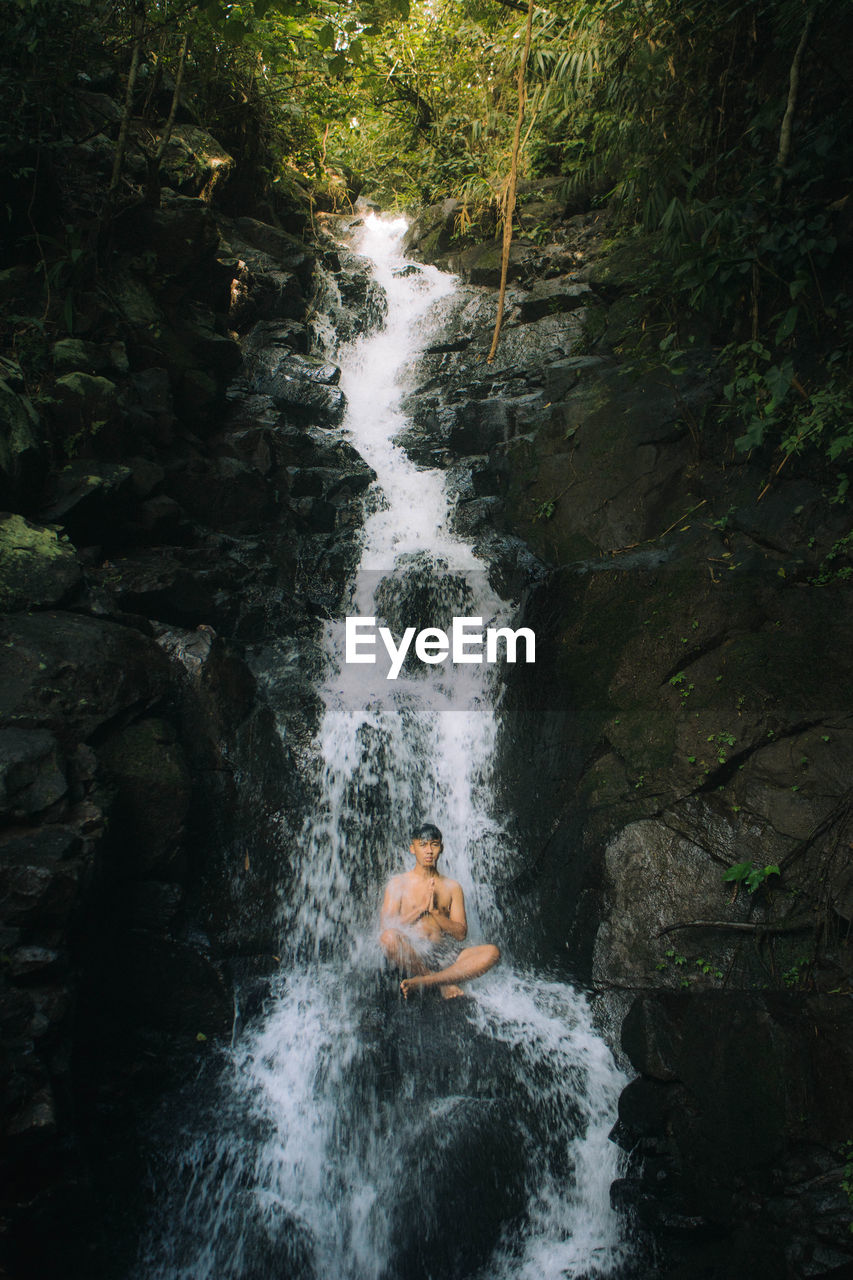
(747, 874)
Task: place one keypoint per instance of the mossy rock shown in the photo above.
(38, 569)
(194, 162)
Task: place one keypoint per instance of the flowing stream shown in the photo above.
(352, 1135)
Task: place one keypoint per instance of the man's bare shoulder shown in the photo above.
(449, 885)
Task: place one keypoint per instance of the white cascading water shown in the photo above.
(354, 1136)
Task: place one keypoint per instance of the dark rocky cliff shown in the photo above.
(688, 718)
(176, 520)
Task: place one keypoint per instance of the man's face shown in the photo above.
(427, 852)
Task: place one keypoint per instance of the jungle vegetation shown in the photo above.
(719, 131)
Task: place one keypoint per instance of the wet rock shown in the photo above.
(279, 245)
(223, 492)
(72, 674)
(305, 387)
(481, 264)
(31, 779)
(758, 1102)
(153, 905)
(38, 568)
(172, 986)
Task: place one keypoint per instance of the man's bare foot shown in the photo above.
(451, 991)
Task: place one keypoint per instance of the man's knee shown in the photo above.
(389, 940)
(493, 954)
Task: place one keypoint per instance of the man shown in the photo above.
(424, 924)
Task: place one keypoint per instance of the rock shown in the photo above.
(431, 232)
(135, 302)
(304, 386)
(34, 1124)
(73, 674)
(222, 492)
(146, 475)
(23, 457)
(153, 905)
(33, 964)
(153, 391)
(653, 878)
(171, 986)
(286, 250)
(481, 264)
(551, 297)
(147, 765)
(40, 880)
(30, 777)
(85, 404)
(759, 1076)
(38, 569)
(92, 501)
(194, 163)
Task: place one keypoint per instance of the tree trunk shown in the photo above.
(793, 89)
(152, 186)
(121, 144)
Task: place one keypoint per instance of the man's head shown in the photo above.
(427, 844)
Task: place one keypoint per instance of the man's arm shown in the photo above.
(455, 922)
(392, 913)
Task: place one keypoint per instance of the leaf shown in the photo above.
(788, 325)
(778, 380)
(739, 872)
(326, 36)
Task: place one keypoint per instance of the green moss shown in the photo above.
(37, 567)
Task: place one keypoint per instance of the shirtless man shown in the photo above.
(423, 922)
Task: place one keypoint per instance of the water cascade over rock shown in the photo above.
(349, 1133)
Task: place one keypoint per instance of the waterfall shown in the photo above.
(352, 1135)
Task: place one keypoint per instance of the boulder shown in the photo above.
(84, 405)
(73, 674)
(183, 234)
(38, 568)
(738, 1113)
(194, 163)
(40, 878)
(92, 501)
(282, 248)
(431, 232)
(146, 764)
(31, 779)
(550, 297)
(171, 986)
(305, 387)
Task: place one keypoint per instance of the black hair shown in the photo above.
(427, 831)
